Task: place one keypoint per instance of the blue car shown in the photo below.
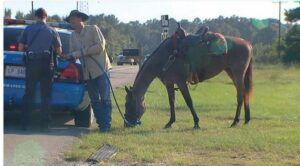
(69, 90)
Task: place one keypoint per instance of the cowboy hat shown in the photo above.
(77, 14)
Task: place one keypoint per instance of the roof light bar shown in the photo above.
(63, 25)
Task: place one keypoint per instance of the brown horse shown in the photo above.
(237, 63)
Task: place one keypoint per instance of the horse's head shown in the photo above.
(134, 108)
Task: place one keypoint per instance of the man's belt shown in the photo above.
(38, 55)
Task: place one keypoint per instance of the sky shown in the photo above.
(143, 10)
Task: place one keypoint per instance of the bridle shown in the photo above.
(176, 52)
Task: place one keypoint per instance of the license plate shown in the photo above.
(15, 71)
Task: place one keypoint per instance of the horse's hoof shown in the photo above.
(196, 127)
(247, 122)
(234, 124)
(167, 127)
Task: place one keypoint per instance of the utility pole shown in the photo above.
(279, 25)
(279, 29)
(32, 11)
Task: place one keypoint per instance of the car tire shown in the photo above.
(84, 118)
(134, 63)
(119, 64)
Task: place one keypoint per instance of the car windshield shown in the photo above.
(12, 36)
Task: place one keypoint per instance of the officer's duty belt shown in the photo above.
(38, 55)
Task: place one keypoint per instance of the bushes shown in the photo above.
(265, 53)
(292, 49)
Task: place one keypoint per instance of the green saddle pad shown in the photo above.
(200, 54)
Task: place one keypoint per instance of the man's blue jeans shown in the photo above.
(99, 92)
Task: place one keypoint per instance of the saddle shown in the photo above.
(208, 44)
(196, 50)
(180, 32)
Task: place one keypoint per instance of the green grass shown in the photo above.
(271, 138)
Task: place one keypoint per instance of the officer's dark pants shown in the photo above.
(37, 70)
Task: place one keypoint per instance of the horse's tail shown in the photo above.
(248, 79)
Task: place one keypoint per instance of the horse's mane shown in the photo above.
(147, 61)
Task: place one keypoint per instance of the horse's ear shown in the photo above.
(127, 90)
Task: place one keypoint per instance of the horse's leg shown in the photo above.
(239, 85)
(187, 97)
(171, 94)
(246, 88)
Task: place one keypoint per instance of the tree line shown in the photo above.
(263, 34)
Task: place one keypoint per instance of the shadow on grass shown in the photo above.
(241, 119)
(146, 132)
(198, 108)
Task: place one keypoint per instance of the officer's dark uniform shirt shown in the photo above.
(45, 38)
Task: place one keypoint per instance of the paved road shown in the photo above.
(36, 148)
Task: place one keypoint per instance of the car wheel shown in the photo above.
(84, 118)
(134, 63)
(119, 64)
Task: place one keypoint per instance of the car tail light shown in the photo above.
(12, 47)
(71, 72)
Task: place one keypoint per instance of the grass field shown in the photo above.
(271, 138)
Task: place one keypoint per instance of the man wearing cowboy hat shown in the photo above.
(88, 45)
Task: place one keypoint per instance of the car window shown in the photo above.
(65, 40)
(12, 36)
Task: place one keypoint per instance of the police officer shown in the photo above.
(38, 41)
